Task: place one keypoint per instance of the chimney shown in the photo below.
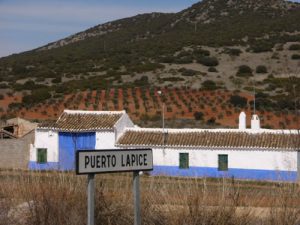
(255, 122)
(242, 121)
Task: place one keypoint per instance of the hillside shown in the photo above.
(214, 44)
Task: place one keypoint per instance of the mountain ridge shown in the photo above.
(214, 44)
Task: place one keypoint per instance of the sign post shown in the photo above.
(136, 198)
(91, 162)
(91, 199)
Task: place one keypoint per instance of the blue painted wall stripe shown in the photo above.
(250, 174)
(43, 166)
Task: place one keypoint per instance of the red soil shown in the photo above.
(147, 104)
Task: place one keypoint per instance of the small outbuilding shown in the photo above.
(56, 142)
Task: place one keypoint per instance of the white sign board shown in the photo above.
(117, 160)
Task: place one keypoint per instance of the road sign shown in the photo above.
(118, 160)
(91, 162)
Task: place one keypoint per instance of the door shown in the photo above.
(69, 143)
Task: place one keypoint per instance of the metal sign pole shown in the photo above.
(136, 198)
(91, 199)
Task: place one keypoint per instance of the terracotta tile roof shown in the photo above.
(84, 121)
(209, 139)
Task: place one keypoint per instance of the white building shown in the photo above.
(56, 143)
(253, 153)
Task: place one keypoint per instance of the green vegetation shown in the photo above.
(232, 51)
(198, 115)
(36, 96)
(295, 56)
(261, 69)
(212, 69)
(294, 47)
(244, 71)
(208, 61)
(136, 45)
(188, 72)
(209, 85)
(238, 101)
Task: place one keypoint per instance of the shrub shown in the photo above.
(188, 72)
(184, 60)
(294, 47)
(211, 121)
(201, 52)
(167, 59)
(208, 61)
(212, 69)
(238, 101)
(198, 115)
(295, 56)
(232, 51)
(56, 80)
(209, 85)
(173, 79)
(262, 46)
(261, 69)
(142, 82)
(15, 106)
(244, 71)
(37, 96)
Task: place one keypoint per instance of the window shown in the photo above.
(183, 160)
(223, 162)
(41, 155)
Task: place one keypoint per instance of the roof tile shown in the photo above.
(210, 139)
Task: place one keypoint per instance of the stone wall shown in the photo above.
(14, 153)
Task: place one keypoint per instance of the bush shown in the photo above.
(142, 82)
(208, 61)
(262, 46)
(36, 96)
(184, 60)
(238, 101)
(201, 52)
(232, 51)
(211, 121)
(198, 115)
(212, 69)
(295, 56)
(261, 69)
(244, 71)
(15, 106)
(167, 59)
(294, 47)
(188, 72)
(56, 80)
(209, 85)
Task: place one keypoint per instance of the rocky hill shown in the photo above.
(214, 44)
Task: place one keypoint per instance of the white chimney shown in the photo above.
(255, 122)
(242, 121)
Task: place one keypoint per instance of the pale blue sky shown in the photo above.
(28, 24)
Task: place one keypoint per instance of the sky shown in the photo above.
(28, 24)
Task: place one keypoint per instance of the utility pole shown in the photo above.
(163, 115)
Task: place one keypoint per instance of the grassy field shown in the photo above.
(46, 198)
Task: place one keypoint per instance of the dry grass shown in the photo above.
(60, 199)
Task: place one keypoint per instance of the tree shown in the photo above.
(198, 115)
(238, 101)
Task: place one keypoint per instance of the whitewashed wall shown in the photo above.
(237, 159)
(45, 139)
(123, 123)
(105, 140)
